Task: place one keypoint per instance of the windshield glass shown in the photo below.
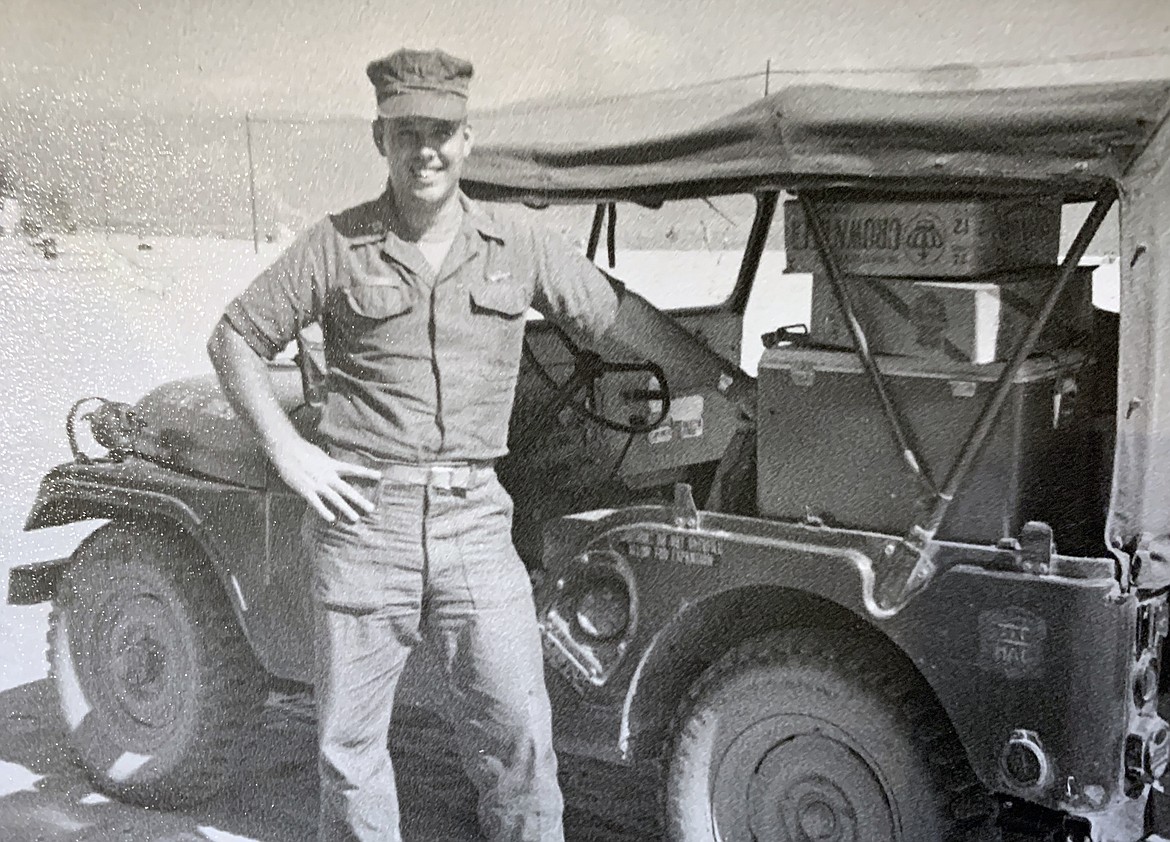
(682, 255)
(685, 254)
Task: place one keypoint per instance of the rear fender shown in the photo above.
(989, 627)
(700, 633)
(699, 593)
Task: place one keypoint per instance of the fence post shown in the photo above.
(252, 183)
(105, 185)
(767, 75)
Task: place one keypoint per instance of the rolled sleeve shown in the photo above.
(284, 297)
(569, 288)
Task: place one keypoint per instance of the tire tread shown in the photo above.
(965, 803)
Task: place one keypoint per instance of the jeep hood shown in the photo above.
(189, 426)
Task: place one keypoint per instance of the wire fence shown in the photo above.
(187, 175)
(263, 176)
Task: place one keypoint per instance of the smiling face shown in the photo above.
(425, 158)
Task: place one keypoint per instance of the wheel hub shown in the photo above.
(788, 783)
(818, 820)
(139, 647)
(143, 663)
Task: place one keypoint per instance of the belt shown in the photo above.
(440, 477)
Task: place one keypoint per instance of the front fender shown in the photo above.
(79, 491)
(226, 521)
(31, 584)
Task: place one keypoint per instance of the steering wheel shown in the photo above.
(588, 368)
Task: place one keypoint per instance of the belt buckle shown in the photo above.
(444, 480)
(453, 480)
(441, 478)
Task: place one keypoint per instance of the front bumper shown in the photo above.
(31, 584)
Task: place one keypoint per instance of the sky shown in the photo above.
(296, 57)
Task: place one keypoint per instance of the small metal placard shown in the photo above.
(1011, 641)
(962, 389)
(670, 546)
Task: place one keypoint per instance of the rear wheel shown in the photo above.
(800, 737)
(153, 675)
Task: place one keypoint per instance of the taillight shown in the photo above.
(1147, 747)
(1145, 686)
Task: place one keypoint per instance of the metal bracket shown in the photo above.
(1036, 547)
(686, 513)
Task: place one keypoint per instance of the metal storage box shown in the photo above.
(927, 239)
(956, 321)
(825, 450)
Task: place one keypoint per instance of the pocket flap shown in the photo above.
(378, 301)
(500, 298)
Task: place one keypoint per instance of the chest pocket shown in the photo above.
(497, 328)
(378, 301)
(499, 299)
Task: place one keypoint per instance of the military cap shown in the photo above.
(421, 83)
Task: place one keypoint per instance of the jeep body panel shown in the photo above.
(233, 525)
(219, 517)
(991, 629)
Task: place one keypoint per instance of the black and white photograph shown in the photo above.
(661, 421)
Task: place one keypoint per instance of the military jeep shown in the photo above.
(916, 590)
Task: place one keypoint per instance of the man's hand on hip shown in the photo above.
(321, 479)
(304, 467)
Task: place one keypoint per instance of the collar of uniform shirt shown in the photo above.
(473, 215)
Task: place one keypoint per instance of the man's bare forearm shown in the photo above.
(243, 375)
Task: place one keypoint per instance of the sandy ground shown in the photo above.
(274, 795)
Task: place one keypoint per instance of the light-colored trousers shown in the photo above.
(440, 563)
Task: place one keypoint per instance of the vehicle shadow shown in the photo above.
(273, 797)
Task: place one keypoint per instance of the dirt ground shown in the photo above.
(274, 795)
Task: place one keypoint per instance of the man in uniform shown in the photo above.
(422, 296)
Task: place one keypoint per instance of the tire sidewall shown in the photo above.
(125, 758)
(850, 713)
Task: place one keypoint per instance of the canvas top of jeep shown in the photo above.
(1069, 141)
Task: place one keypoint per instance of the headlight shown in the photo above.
(602, 610)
